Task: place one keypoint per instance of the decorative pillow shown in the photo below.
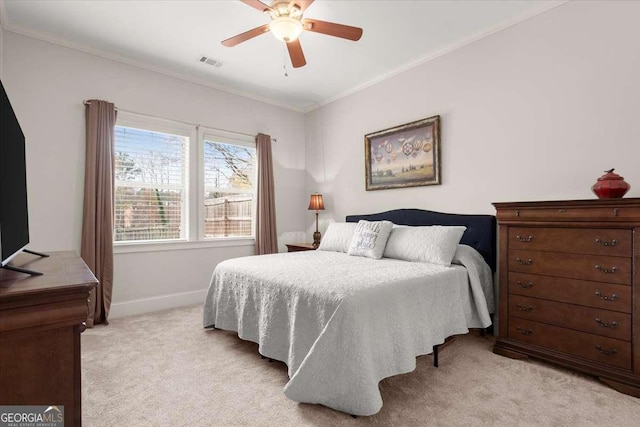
(337, 237)
(370, 238)
(435, 244)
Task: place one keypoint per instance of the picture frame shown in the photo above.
(403, 156)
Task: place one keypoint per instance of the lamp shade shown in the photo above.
(316, 203)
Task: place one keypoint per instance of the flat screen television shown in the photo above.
(14, 218)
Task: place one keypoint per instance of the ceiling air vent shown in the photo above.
(210, 61)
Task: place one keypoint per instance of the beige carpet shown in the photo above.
(164, 369)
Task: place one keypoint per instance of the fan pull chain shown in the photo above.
(284, 62)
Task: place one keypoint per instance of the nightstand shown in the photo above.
(297, 247)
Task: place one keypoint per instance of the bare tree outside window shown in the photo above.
(229, 176)
(150, 180)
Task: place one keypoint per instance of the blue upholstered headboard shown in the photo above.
(480, 233)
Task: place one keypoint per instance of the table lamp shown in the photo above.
(316, 204)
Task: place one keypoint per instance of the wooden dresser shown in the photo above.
(41, 318)
(570, 286)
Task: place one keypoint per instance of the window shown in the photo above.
(229, 187)
(175, 182)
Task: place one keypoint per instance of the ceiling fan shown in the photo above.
(287, 25)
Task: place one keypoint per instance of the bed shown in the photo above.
(342, 323)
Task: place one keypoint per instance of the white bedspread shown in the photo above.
(343, 323)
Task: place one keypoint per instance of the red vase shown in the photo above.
(610, 186)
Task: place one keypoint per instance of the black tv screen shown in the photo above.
(14, 219)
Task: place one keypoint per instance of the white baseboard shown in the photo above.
(148, 305)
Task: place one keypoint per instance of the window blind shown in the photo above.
(151, 185)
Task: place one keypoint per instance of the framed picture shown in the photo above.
(403, 156)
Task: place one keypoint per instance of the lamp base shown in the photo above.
(316, 239)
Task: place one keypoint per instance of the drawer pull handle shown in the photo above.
(524, 285)
(524, 331)
(606, 270)
(526, 239)
(562, 210)
(613, 297)
(608, 352)
(525, 262)
(526, 308)
(605, 324)
(605, 243)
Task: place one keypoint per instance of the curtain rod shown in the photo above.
(85, 102)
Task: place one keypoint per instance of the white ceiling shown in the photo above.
(170, 36)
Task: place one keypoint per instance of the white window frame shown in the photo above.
(193, 208)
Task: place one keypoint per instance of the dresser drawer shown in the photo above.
(593, 347)
(593, 320)
(592, 294)
(572, 214)
(574, 266)
(593, 241)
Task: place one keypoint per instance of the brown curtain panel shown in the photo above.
(97, 221)
(266, 236)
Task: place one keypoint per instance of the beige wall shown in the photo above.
(534, 112)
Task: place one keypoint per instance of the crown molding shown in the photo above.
(309, 107)
(146, 66)
(447, 49)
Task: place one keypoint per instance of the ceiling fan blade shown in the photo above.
(332, 29)
(230, 42)
(303, 4)
(256, 4)
(295, 53)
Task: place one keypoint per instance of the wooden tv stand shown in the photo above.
(41, 319)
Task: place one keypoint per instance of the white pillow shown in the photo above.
(370, 238)
(435, 244)
(338, 236)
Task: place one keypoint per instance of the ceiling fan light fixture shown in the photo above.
(286, 28)
(287, 25)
